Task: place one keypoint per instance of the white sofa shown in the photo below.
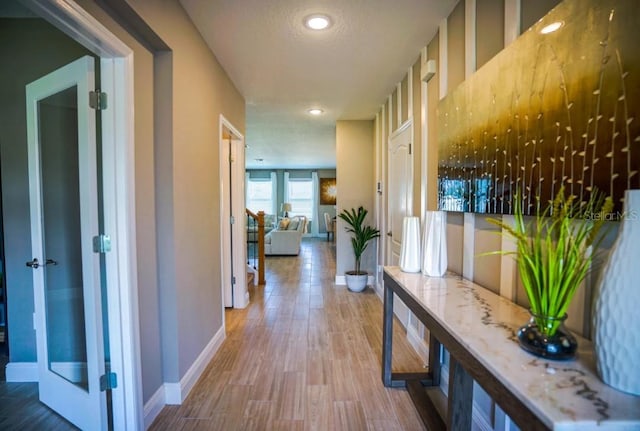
(285, 240)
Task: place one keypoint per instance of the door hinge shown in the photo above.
(108, 381)
(98, 100)
(232, 220)
(101, 243)
(409, 148)
(233, 280)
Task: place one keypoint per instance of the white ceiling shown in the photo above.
(282, 68)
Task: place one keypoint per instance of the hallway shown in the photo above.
(305, 354)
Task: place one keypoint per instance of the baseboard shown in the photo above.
(418, 344)
(380, 291)
(479, 420)
(22, 372)
(176, 393)
(341, 280)
(153, 407)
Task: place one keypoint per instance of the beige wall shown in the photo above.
(177, 188)
(489, 30)
(355, 180)
(455, 47)
(433, 95)
(416, 148)
(489, 40)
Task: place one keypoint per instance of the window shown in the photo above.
(301, 191)
(301, 197)
(261, 195)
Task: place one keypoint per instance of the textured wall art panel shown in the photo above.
(550, 109)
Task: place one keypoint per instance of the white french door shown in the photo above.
(65, 219)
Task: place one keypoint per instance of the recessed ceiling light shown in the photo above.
(317, 22)
(315, 111)
(551, 27)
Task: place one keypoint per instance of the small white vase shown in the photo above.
(434, 246)
(410, 249)
(616, 318)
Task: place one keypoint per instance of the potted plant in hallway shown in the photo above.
(555, 250)
(362, 234)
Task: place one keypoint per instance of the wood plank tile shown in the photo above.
(319, 408)
(292, 399)
(305, 354)
(348, 416)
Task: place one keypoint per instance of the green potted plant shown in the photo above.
(361, 235)
(555, 249)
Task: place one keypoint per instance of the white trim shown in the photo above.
(424, 164)
(176, 393)
(401, 128)
(172, 394)
(236, 191)
(21, 372)
(512, 24)
(378, 196)
(154, 406)
(410, 93)
(119, 194)
(508, 272)
(479, 420)
(444, 58)
(417, 342)
(399, 101)
(390, 113)
(468, 245)
(341, 280)
(470, 58)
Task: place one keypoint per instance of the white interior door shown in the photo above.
(63, 192)
(233, 232)
(399, 198)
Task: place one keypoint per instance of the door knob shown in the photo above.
(389, 233)
(33, 263)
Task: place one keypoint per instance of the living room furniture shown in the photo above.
(477, 327)
(252, 227)
(329, 226)
(285, 240)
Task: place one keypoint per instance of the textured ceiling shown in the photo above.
(282, 68)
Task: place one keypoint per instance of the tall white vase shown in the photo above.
(616, 317)
(434, 246)
(410, 250)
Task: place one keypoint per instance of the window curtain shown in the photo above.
(316, 198)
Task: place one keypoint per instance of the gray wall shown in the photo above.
(30, 48)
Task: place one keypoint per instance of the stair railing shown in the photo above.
(255, 243)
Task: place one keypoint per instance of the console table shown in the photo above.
(478, 329)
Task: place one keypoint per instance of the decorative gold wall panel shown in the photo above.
(549, 109)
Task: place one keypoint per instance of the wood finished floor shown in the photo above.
(304, 355)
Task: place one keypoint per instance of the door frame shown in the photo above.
(235, 189)
(116, 64)
(387, 227)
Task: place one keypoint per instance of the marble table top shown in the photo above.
(565, 395)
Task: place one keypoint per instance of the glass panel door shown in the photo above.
(63, 196)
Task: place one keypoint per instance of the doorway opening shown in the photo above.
(233, 252)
